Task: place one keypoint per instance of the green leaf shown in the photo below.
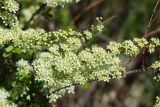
(5, 55)
(9, 49)
(85, 86)
(21, 75)
(14, 94)
(17, 50)
(14, 84)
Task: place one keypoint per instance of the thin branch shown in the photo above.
(27, 24)
(74, 84)
(134, 71)
(109, 20)
(89, 81)
(86, 9)
(153, 32)
(84, 99)
(152, 19)
(106, 39)
(105, 22)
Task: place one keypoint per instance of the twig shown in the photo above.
(84, 99)
(127, 74)
(153, 32)
(74, 84)
(107, 21)
(134, 71)
(152, 19)
(89, 7)
(33, 16)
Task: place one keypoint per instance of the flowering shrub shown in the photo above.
(52, 63)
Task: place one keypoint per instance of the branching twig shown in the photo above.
(127, 74)
(33, 16)
(86, 9)
(153, 32)
(152, 19)
(74, 84)
(97, 33)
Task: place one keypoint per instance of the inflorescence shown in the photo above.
(60, 59)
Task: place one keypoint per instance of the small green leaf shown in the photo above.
(14, 84)
(85, 86)
(17, 50)
(5, 55)
(9, 49)
(14, 94)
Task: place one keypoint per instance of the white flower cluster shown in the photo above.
(8, 8)
(88, 34)
(54, 49)
(4, 102)
(29, 40)
(130, 48)
(105, 65)
(54, 3)
(23, 67)
(67, 64)
(8, 19)
(157, 102)
(10, 5)
(100, 26)
(4, 94)
(43, 68)
(114, 47)
(60, 61)
(58, 69)
(33, 40)
(156, 66)
(140, 42)
(58, 90)
(62, 35)
(153, 44)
